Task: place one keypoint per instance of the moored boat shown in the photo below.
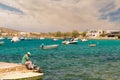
(49, 46)
(55, 39)
(1, 38)
(15, 39)
(1, 42)
(83, 40)
(92, 45)
(70, 42)
(42, 38)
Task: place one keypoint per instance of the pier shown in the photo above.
(13, 71)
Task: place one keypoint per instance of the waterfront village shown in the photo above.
(17, 71)
(89, 34)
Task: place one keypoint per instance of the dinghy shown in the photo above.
(1, 42)
(15, 39)
(70, 41)
(49, 46)
(92, 45)
(83, 40)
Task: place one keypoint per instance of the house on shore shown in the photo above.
(93, 33)
(113, 34)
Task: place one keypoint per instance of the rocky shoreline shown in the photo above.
(13, 71)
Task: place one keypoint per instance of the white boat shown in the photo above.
(15, 39)
(22, 38)
(55, 39)
(92, 45)
(49, 46)
(1, 38)
(70, 42)
(83, 40)
(42, 38)
(64, 42)
(9, 38)
(1, 42)
(75, 39)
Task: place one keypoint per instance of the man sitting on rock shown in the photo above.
(26, 61)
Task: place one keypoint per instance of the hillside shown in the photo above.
(7, 30)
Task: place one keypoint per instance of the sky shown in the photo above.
(60, 15)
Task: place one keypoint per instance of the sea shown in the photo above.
(68, 62)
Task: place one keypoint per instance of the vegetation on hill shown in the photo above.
(58, 34)
(11, 32)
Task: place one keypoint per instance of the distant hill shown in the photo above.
(7, 30)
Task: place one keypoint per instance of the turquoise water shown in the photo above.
(69, 62)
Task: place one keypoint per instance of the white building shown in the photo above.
(4, 34)
(113, 31)
(94, 33)
(24, 33)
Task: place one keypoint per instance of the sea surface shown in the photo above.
(68, 62)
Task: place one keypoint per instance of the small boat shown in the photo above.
(70, 42)
(55, 39)
(22, 38)
(1, 38)
(83, 40)
(1, 42)
(49, 46)
(92, 45)
(64, 42)
(15, 39)
(41, 38)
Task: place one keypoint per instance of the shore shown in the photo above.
(13, 71)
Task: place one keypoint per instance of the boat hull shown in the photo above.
(1, 43)
(92, 45)
(50, 47)
(70, 42)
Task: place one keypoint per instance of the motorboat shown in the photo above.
(1, 38)
(70, 42)
(22, 38)
(55, 39)
(15, 39)
(92, 45)
(1, 42)
(41, 38)
(49, 46)
(83, 40)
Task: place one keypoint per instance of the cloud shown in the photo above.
(60, 15)
(115, 16)
(9, 8)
